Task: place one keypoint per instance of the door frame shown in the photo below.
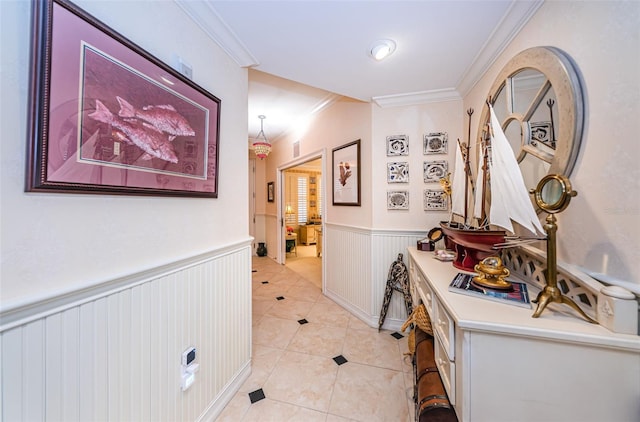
(281, 241)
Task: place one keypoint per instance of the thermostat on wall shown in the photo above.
(188, 356)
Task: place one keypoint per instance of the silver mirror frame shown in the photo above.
(565, 80)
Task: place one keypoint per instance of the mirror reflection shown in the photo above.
(551, 192)
(537, 97)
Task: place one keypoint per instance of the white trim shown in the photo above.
(392, 324)
(226, 394)
(415, 98)
(516, 17)
(377, 232)
(21, 312)
(205, 16)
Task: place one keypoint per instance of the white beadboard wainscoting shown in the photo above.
(357, 267)
(113, 351)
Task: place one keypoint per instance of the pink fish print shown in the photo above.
(163, 117)
(153, 142)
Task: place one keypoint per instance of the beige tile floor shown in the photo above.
(293, 363)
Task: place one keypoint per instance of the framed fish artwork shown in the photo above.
(108, 117)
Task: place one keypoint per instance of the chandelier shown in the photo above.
(261, 145)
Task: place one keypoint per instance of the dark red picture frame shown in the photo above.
(108, 117)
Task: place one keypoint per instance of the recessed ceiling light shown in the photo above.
(382, 49)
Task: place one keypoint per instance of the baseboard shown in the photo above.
(226, 395)
(371, 320)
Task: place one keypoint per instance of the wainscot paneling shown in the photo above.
(357, 267)
(113, 351)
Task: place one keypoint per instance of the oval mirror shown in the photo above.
(538, 99)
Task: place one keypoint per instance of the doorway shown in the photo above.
(302, 205)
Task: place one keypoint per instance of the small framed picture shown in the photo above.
(398, 200)
(397, 145)
(435, 143)
(542, 132)
(312, 180)
(346, 174)
(433, 171)
(435, 200)
(271, 191)
(398, 172)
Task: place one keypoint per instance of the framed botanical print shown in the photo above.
(346, 174)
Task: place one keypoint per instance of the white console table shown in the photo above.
(500, 364)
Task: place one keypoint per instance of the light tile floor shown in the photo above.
(298, 343)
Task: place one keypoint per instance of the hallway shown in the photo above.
(314, 361)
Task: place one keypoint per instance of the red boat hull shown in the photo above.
(471, 246)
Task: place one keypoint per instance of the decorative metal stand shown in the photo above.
(397, 280)
(552, 195)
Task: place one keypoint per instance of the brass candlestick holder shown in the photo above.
(552, 195)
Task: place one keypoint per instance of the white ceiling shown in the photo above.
(308, 53)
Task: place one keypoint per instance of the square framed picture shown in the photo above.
(435, 200)
(398, 172)
(397, 145)
(398, 200)
(433, 171)
(435, 143)
(542, 132)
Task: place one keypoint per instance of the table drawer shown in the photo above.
(443, 324)
(425, 292)
(447, 370)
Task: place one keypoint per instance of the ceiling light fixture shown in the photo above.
(382, 49)
(261, 145)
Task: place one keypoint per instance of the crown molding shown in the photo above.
(415, 98)
(519, 13)
(205, 16)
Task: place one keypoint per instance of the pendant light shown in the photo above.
(261, 145)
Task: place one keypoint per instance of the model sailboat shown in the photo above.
(509, 200)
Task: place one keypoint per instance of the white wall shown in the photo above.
(101, 294)
(601, 227)
(415, 122)
(53, 243)
(601, 224)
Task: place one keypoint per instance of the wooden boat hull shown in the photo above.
(471, 246)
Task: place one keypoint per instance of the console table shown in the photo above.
(499, 364)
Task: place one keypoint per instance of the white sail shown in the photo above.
(477, 209)
(509, 195)
(458, 191)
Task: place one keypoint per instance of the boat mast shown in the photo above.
(485, 167)
(467, 167)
